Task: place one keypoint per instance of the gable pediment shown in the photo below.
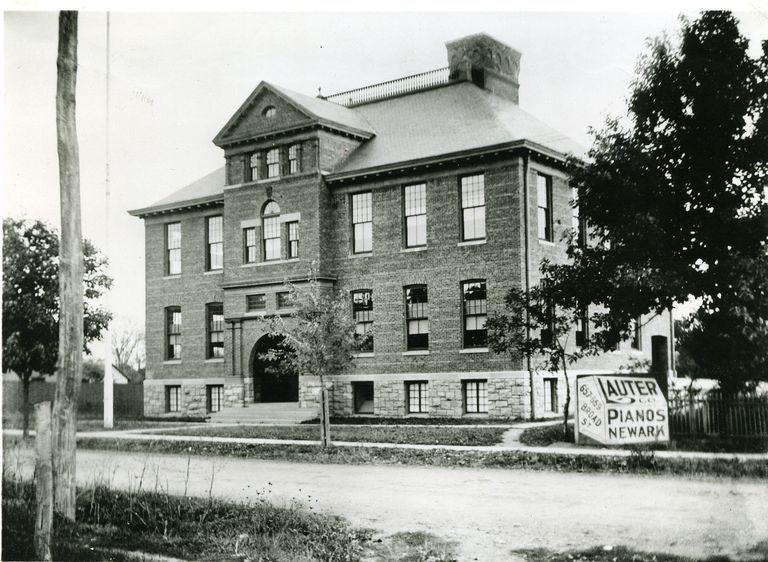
(253, 119)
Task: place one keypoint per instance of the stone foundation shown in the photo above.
(192, 396)
(507, 394)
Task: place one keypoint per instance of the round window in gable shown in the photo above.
(269, 111)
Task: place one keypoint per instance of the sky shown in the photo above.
(176, 78)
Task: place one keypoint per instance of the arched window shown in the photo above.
(270, 218)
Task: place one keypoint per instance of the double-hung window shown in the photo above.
(215, 397)
(271, 230)
(173, 332)
(577, 224)
(172, 398)
(251, 245)
(548, 306)
(254, 167)
(415, 211)
(475, 397)
(362, 222)
(215, 329)
(473, 207)
(214, 242)
(173, 248)
(417, 397)
(273, 163)
(544, 202)
(362, 309)
(475, 312)
(294, 159)
(293, 240)
(582, 327)
(417, 317)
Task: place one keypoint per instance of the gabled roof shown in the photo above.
(449, 119)
(327, 111)
(316, 110)
(208, 189)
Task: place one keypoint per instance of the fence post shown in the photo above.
(691, 413)
(43, 481)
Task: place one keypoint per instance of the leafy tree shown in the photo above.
(93, 371)
(319, 335)
(730, 343)
(31, 300)
(675, 196)
(531, 325)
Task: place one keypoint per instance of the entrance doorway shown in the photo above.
(273, 378)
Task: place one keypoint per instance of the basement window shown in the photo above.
(550, 395)
(363, 396)
(215, 397)
(172, 398)
(417, 397)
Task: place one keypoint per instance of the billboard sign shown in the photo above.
(620, 410)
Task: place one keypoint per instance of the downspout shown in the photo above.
(527, 246)
(672, 367)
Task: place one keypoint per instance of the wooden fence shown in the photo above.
(711, 414)
(128, 398)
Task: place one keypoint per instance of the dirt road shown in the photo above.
(487, 511)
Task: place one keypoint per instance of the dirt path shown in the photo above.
(487, 511)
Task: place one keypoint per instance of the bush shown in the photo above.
(546, 435)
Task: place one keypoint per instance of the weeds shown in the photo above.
(178, 526)
(607, 553)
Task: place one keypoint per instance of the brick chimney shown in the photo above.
(487, 62)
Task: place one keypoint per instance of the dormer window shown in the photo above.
(269, 111)
(273, 163)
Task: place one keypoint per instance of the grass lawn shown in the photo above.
(371, 434)
(545, 436)
(641, 463)
(468, 420)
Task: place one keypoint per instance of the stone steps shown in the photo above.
(276, 413)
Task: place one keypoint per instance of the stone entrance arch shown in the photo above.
(273, 379)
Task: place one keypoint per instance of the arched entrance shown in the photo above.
(273, 378)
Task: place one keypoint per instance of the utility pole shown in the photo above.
(70, 360)
(109, 403)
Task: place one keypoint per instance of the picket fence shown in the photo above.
(712, 414)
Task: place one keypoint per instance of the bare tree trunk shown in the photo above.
(25, 382)
(567, 405)
(325, 423)
(43, 481)
(70, 361)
